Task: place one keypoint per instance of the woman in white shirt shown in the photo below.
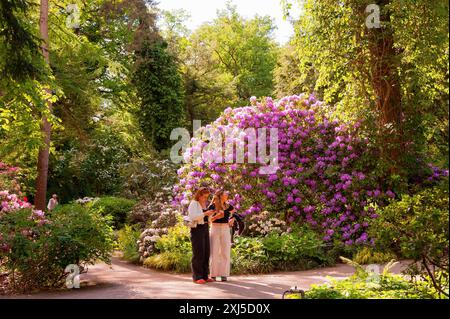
(198, 214)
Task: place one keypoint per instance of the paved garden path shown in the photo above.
(124, 280)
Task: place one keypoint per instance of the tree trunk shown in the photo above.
(386, 84)
(43, 156)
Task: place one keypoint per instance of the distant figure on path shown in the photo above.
(52, 203)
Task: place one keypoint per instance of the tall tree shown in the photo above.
(160, 90)
(19, 45)
(393, 74)
(245, 49)
(44, 151)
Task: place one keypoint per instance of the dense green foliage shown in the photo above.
(223, 62)
(91, 169)
(368, 255)
(417, 228)
(299, 250)
(127, 241)
(334, 44)
(19, 44)
(116, 207)
(123, 77)
(364, 285)
(159, 87)
(36, 254)
(175, 251)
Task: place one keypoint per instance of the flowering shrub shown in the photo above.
(437, 174)
(11, 202)
(86, 200)
(262, 224)
(156, 217)
(35, 250)
(174, 250)
(8, 178)
(323, 177)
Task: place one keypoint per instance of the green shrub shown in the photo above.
(417, 228)
(176, 261)
(368, 255)
(148, 177)
(87, 169)
(36, 254)
(116, 207)
(300, 249)
(363, 285)
(175, 251)
(127, 240)
(249, 257)
(177, 239)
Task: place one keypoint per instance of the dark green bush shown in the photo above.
(89, 168)
(299, 249)
(248, 256)
(117, 207)
(35, 254)
(417, 228)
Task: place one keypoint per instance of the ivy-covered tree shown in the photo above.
(160, 90)
(395, 74)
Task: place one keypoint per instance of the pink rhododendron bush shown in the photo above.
(36, 248)
(322, 179)
(8, 177)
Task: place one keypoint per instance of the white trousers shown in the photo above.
(220, 241)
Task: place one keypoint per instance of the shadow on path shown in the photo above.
(127, 281)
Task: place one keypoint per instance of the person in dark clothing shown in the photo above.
(198, 214)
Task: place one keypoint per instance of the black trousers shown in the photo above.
(200, 252)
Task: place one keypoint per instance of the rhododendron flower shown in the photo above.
(322, 177)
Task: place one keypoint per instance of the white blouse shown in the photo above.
(195, 212)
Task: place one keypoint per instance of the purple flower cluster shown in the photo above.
(320, 180)
(436, 173)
